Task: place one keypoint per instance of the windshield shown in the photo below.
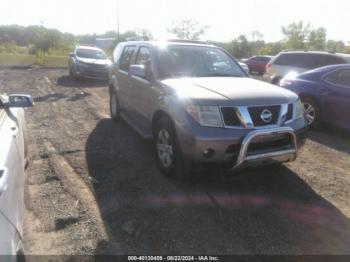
(90, 53)
(197, 61)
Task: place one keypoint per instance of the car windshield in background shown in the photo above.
(197, 61)
(90, 53)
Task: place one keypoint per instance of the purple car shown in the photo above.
(325, 93)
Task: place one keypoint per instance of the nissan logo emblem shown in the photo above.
(266, 116)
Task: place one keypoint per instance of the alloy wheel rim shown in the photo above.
(165, 148)
(310, 113)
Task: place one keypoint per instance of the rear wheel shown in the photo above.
(311, 112)
(167, 150)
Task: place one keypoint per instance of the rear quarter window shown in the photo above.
(320, 60)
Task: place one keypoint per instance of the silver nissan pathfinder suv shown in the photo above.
(199, 106)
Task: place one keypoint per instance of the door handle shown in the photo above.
(14, 131)
(3, 180)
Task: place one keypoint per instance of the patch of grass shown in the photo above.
(13, 60)
(10, 60)
(56, 61)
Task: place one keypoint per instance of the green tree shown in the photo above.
(335, 46)
(271, 48)
(144, 33)
(257, 35)
(295, 35)
(317, 39)
(243, 47)
(188, 29)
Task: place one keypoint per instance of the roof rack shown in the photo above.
(187, 41)
(317, 51)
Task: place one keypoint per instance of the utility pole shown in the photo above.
(118, 39)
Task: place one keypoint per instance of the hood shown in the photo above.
(237, 91)
(94, 61)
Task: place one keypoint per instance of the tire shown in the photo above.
(312, 112)
(72, 75)
(20, 256)
(114, 106)
(167, 150)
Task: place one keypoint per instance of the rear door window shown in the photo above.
(126, 58)
(143, 56)
(320, 60)
(265, 59)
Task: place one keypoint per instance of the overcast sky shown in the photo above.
(227, 18)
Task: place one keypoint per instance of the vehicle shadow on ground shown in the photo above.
(66, 81)
(336, 138)
(268, 210)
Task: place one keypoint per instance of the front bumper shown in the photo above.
(283, 154)
(92, 72)
(241, 148)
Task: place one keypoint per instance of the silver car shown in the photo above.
(293, 62)
(199, 106)
(12, 165)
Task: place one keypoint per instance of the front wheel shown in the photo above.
(114, 106)
(311, 112)
(167, 150)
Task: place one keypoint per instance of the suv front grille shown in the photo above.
(230, 116)
(257, 112)
(97, 66)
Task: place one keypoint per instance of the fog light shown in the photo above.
(208, 153)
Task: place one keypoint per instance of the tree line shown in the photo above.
(15, 39)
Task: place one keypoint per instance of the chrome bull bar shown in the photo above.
(242, 157)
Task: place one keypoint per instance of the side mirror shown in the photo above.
(20, 101)
(138, 70)
(71, 54)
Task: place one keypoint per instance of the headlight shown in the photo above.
(299, 109)
(206, 115)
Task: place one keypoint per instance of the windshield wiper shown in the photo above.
(216, 74)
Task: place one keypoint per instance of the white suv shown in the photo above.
(12, 164)
(299, 62)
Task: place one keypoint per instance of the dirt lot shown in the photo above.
(93, 188)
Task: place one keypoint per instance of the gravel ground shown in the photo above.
(92, 187)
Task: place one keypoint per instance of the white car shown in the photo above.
(12, 165)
